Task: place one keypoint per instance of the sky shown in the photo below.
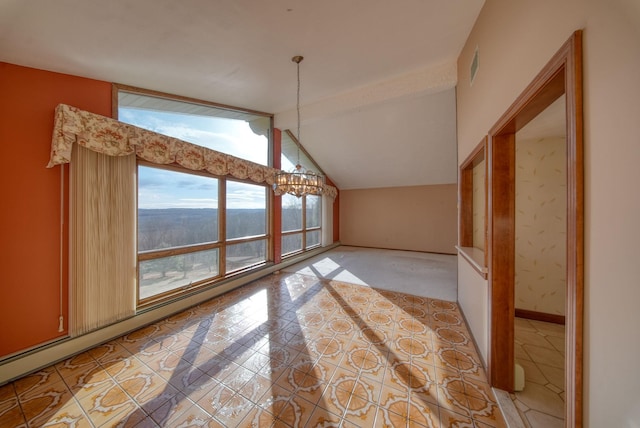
(162, 188)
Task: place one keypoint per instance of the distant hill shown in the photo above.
(173, 227)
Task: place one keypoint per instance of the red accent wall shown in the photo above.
(30, 212)
(336, 213)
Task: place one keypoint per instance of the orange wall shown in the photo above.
(30, 214)
(416, 218)
(336, 213)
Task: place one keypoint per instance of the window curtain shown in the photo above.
(102, 227)
(103, 204)
(114, 138)
(327, 221)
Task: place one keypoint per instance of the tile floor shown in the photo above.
(539, 348)
(286, 351)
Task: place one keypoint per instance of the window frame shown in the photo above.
(222, 243)
(116, 88)
(303, 231)
(302, 156)
(474, 255)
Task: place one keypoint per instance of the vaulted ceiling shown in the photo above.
(378, 78)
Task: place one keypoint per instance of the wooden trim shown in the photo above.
(114, 101)
(501, 249)
(292, 232)
(476, 156)
(562, 74)
(117, 87)
(296, 231)
(470, 254)
(465, 192)
(173, 293)
(465, 232)
(540, 316)
(276, 201)
(486, 205)
(175, 251)
(304, 222)
(548, 85)
(575, 233)
(304, 151)
(246, 239)
(222, 228)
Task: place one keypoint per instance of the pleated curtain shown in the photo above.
(102, 241)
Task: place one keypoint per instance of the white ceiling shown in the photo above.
(359, 55)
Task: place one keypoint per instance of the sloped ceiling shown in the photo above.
(362, 57)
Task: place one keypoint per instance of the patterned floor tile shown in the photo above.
(70, 415)
(11, 414)
(37, 380)
(284, 351)
(42, 403)
(322, 418)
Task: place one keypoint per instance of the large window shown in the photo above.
(195, 228)
(246, 222)
(301, 217)
(181, 243)
(177, 230)
(238, 133)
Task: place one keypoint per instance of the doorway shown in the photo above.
(561, 76)
(540, 267)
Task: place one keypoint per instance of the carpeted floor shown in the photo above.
(420, 274)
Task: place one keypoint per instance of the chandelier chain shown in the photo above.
(299, 181)
(298, 109)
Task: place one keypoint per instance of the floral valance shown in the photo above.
(111, 137)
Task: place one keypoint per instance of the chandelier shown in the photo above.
(299, 181)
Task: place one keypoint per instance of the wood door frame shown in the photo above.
(561, 75)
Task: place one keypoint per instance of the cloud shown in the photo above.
(163, 188)
(230, 136)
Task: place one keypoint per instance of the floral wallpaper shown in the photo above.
(540, 278)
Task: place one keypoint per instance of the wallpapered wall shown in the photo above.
(479, 203)
(541, 225)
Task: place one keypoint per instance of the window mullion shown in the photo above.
(304, 223)
(222, 225)
(150, 255)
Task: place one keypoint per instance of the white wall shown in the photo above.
(473, 298)
(521, 36)
(407, 141)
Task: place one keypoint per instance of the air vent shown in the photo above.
(474, 66)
